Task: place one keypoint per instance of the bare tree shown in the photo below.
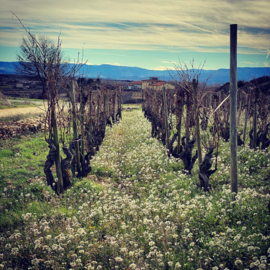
(35, 57)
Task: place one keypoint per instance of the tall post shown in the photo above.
(107, 104)
(75, 133)
(233, 107)
(115, 105)
(120, 102)
(58, 156)
(90, 124)
(52, 91)
(255, 121)
(246, 118)
(82, 109)
(180, 108)
(187, 116)
(166, 117)
(197, 123)
(240, 106)
(104, 104)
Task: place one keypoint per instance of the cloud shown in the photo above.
(266, 64)
(250, 63)
(115, 64)
(162, 68)
(197, 26)
(268, 53)
(168, 62)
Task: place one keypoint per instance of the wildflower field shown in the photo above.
(137, 209)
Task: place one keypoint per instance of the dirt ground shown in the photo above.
(19, 111)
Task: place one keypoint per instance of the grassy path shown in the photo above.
(138, 210)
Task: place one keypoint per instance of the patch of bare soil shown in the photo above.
(21, 127)
(18, 111)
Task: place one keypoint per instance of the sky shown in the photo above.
(154, 34)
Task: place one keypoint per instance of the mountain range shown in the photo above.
(113, 72)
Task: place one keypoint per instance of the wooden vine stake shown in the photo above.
(197, 123)
(180, 107)
(82, 108)
(60, 185)
(166, 117)
(255, 120)
(233, 108)
(52, 90)
(115, 106)
(246, 118)
(90, 118)
(187, 115)
(75, 133)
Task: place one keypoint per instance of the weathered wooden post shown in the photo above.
(83, 100)
(75, 134)
(255, 120)
(187, 115)
(90, 125)
(52, 90)
(197, 123)
(115, 105)
(60, 184)
(107, 106)
(98, 110)
(104, 104)
(166, 117)
(246, 118)
(120, 101)
(240, 106)
(180, 108)
(233, 107)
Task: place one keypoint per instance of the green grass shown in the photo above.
(23, 182)
(21, 160)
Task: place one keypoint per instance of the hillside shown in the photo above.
(135, 73)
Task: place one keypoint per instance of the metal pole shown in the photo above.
(233, 107)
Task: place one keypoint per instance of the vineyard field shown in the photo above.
(137, 209)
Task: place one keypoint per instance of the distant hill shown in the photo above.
(7, 67)
(112, 72)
